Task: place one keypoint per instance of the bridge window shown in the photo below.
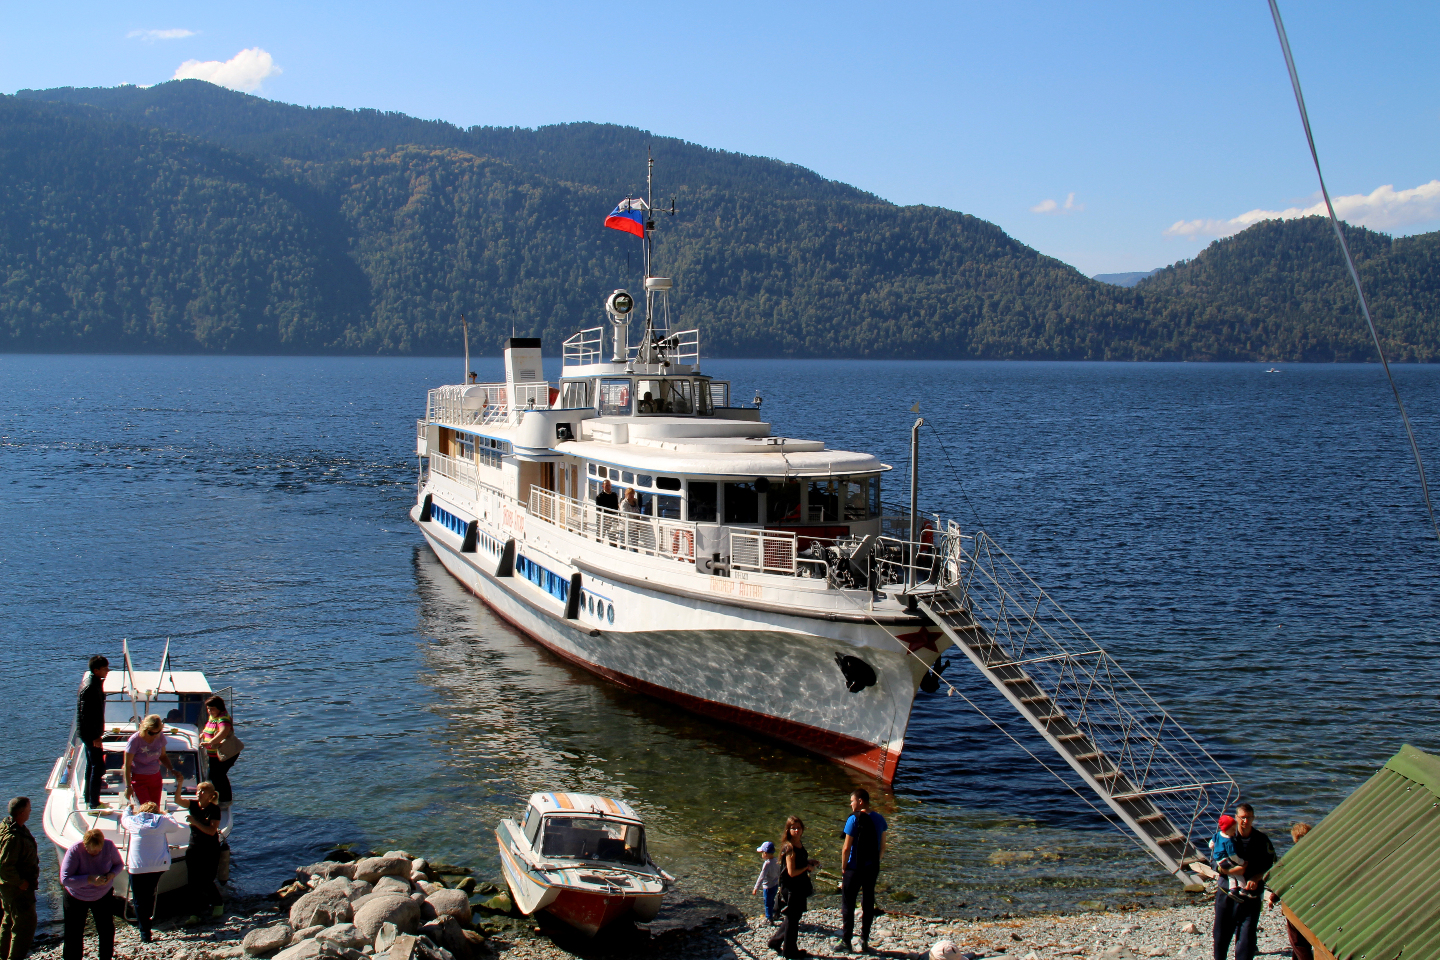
(824, 501)
(782, 502)
(614, 398)
(575, 394)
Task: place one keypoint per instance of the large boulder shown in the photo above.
(327, 869)
(360, 888)
(393, 885)
(387, 908)
(305, 933)
(372, 869)
(345, 934)
(450, 903)
(326, 906)
(263, 941)
(446, 932)
(304, 950)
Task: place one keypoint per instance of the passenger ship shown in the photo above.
(747, 576)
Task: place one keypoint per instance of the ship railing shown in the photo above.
(453, 468)
(477, 403)
(683, 346)
(652, 536)
(763, 551)
(585, 347)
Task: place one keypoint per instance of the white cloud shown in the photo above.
(1050, 206)
(1384, 208)
(150, 36)
(244, 71)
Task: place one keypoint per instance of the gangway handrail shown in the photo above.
(1128, 749)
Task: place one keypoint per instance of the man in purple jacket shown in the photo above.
(88, 874)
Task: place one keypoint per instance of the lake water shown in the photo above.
(1250, 546)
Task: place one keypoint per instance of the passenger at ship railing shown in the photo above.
(147, 857)
(630, 509)
(222, 747)
(796, 886)
(606, 499)
(144, 756)
(203, 856)
(19, 875)
(87, 874)
(90, 726)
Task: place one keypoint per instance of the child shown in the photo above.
(1222, 849)
(769, 877)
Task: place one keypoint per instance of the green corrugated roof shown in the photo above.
(1366, 881)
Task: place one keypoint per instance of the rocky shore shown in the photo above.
(397, 907)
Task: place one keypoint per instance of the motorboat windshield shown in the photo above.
(593, 838)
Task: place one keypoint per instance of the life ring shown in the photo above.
(685, 537)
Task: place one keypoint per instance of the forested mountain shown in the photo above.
(186, 217)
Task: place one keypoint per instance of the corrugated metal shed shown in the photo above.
(1365, 883)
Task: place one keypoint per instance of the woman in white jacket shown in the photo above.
(147, 858)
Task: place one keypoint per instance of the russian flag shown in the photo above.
(628, 215)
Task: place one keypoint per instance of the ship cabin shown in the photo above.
(666, 438)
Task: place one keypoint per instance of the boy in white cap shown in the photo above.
(769, 879)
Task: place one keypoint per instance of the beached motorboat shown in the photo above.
(178, 697)
(581, 858)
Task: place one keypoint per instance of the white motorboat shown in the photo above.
(178, 697)
(582, 859)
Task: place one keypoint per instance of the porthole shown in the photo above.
(591, 604)
(610, 613)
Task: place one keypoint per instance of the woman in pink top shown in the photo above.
(88, 874)
(144, 757)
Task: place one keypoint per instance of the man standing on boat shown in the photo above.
(90, 725)
(19, 875)
(860, 863)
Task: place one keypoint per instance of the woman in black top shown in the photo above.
(795, 888)
(203, 856)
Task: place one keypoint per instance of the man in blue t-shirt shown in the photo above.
(860, 863)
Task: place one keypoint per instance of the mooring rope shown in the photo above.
(1350, 260)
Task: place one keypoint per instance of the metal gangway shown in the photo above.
(1149, 772)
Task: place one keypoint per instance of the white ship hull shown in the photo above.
(770, 672)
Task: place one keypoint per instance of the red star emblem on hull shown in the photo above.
(922, 639)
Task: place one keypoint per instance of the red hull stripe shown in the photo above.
(868, 758)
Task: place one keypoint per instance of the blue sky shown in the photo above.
(1115, 137)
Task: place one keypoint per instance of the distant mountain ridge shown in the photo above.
(1124, 279)
(185, 217)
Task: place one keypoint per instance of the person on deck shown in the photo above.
(88, 875)
(144, 756)
(606, 500)
(860, 868)
(203, 855)
(217, 728)
(1237, 911)
(90, 725)
(796, 886)
(19, 875)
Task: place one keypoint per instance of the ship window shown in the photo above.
(782, 502)
(875, 508)
(855, 505)
(614, 398)
(645, 480)
(593, 838)
(677, 397)
(667, 508)
(575, 394)
(824, 501)
(627, 477)
(704, 404)
(465, 446)
(610, 613)
(719, 393)
(668, 483)
(742, 505)
(592, 468)
(650, 396)
(702, 501)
